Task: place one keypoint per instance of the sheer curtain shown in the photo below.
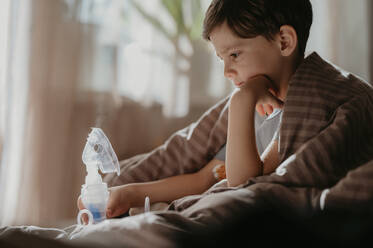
(4, 21)
(341, 34)
(14, 96)
(71, 65)
(41, 164)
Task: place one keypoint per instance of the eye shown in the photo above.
(235, 55)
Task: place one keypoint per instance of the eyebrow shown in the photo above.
(227, 49)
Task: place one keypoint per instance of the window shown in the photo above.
(149, 53)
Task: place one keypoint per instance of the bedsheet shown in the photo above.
(144, 230)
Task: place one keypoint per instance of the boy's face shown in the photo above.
(246, 58)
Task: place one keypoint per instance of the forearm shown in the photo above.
(270, 158)
(172, 188)
(242, 158)
(165, 190)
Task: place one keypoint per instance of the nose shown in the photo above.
(228, 71)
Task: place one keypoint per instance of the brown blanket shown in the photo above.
(326, 149)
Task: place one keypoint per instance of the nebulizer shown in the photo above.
(97, 154)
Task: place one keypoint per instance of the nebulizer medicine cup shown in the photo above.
(97, 154)
(94, 198)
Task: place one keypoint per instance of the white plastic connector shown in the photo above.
(92, 177)
(147, 204)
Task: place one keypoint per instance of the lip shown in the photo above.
(239, 84)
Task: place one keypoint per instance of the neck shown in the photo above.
(290, 67)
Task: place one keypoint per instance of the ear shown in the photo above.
(287, 40)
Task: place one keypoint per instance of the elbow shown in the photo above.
(231, 183)
(234, 182)
(242, 178)
(238, 182)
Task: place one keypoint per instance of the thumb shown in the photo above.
(277, 103)
(114, 209)
(80, 203)
(111, 207)
(273, 91)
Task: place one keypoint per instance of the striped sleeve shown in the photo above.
(185, 151)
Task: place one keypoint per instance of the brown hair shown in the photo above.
(251, 18)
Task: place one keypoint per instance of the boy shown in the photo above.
(261, 43)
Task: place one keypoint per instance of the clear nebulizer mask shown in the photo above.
(97, 154)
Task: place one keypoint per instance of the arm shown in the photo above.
(172, 188)
(122, 198)
(270, 158)
(202, 133)
(242, 158)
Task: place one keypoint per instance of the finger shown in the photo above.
(110, 208)
(80, 207)
(80, 203)
(275, 102)
(85, 218)
(114, 212)
(268, 108)
(272, 86)
(273, 92)
(109, 213)
(115, 208)
(260, 109)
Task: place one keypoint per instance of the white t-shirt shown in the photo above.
(266, 129)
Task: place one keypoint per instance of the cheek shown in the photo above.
(255, 67)
(266, 62)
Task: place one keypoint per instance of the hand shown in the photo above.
(262, 92)
(120, 200)
(118, 203)
(80, 207)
